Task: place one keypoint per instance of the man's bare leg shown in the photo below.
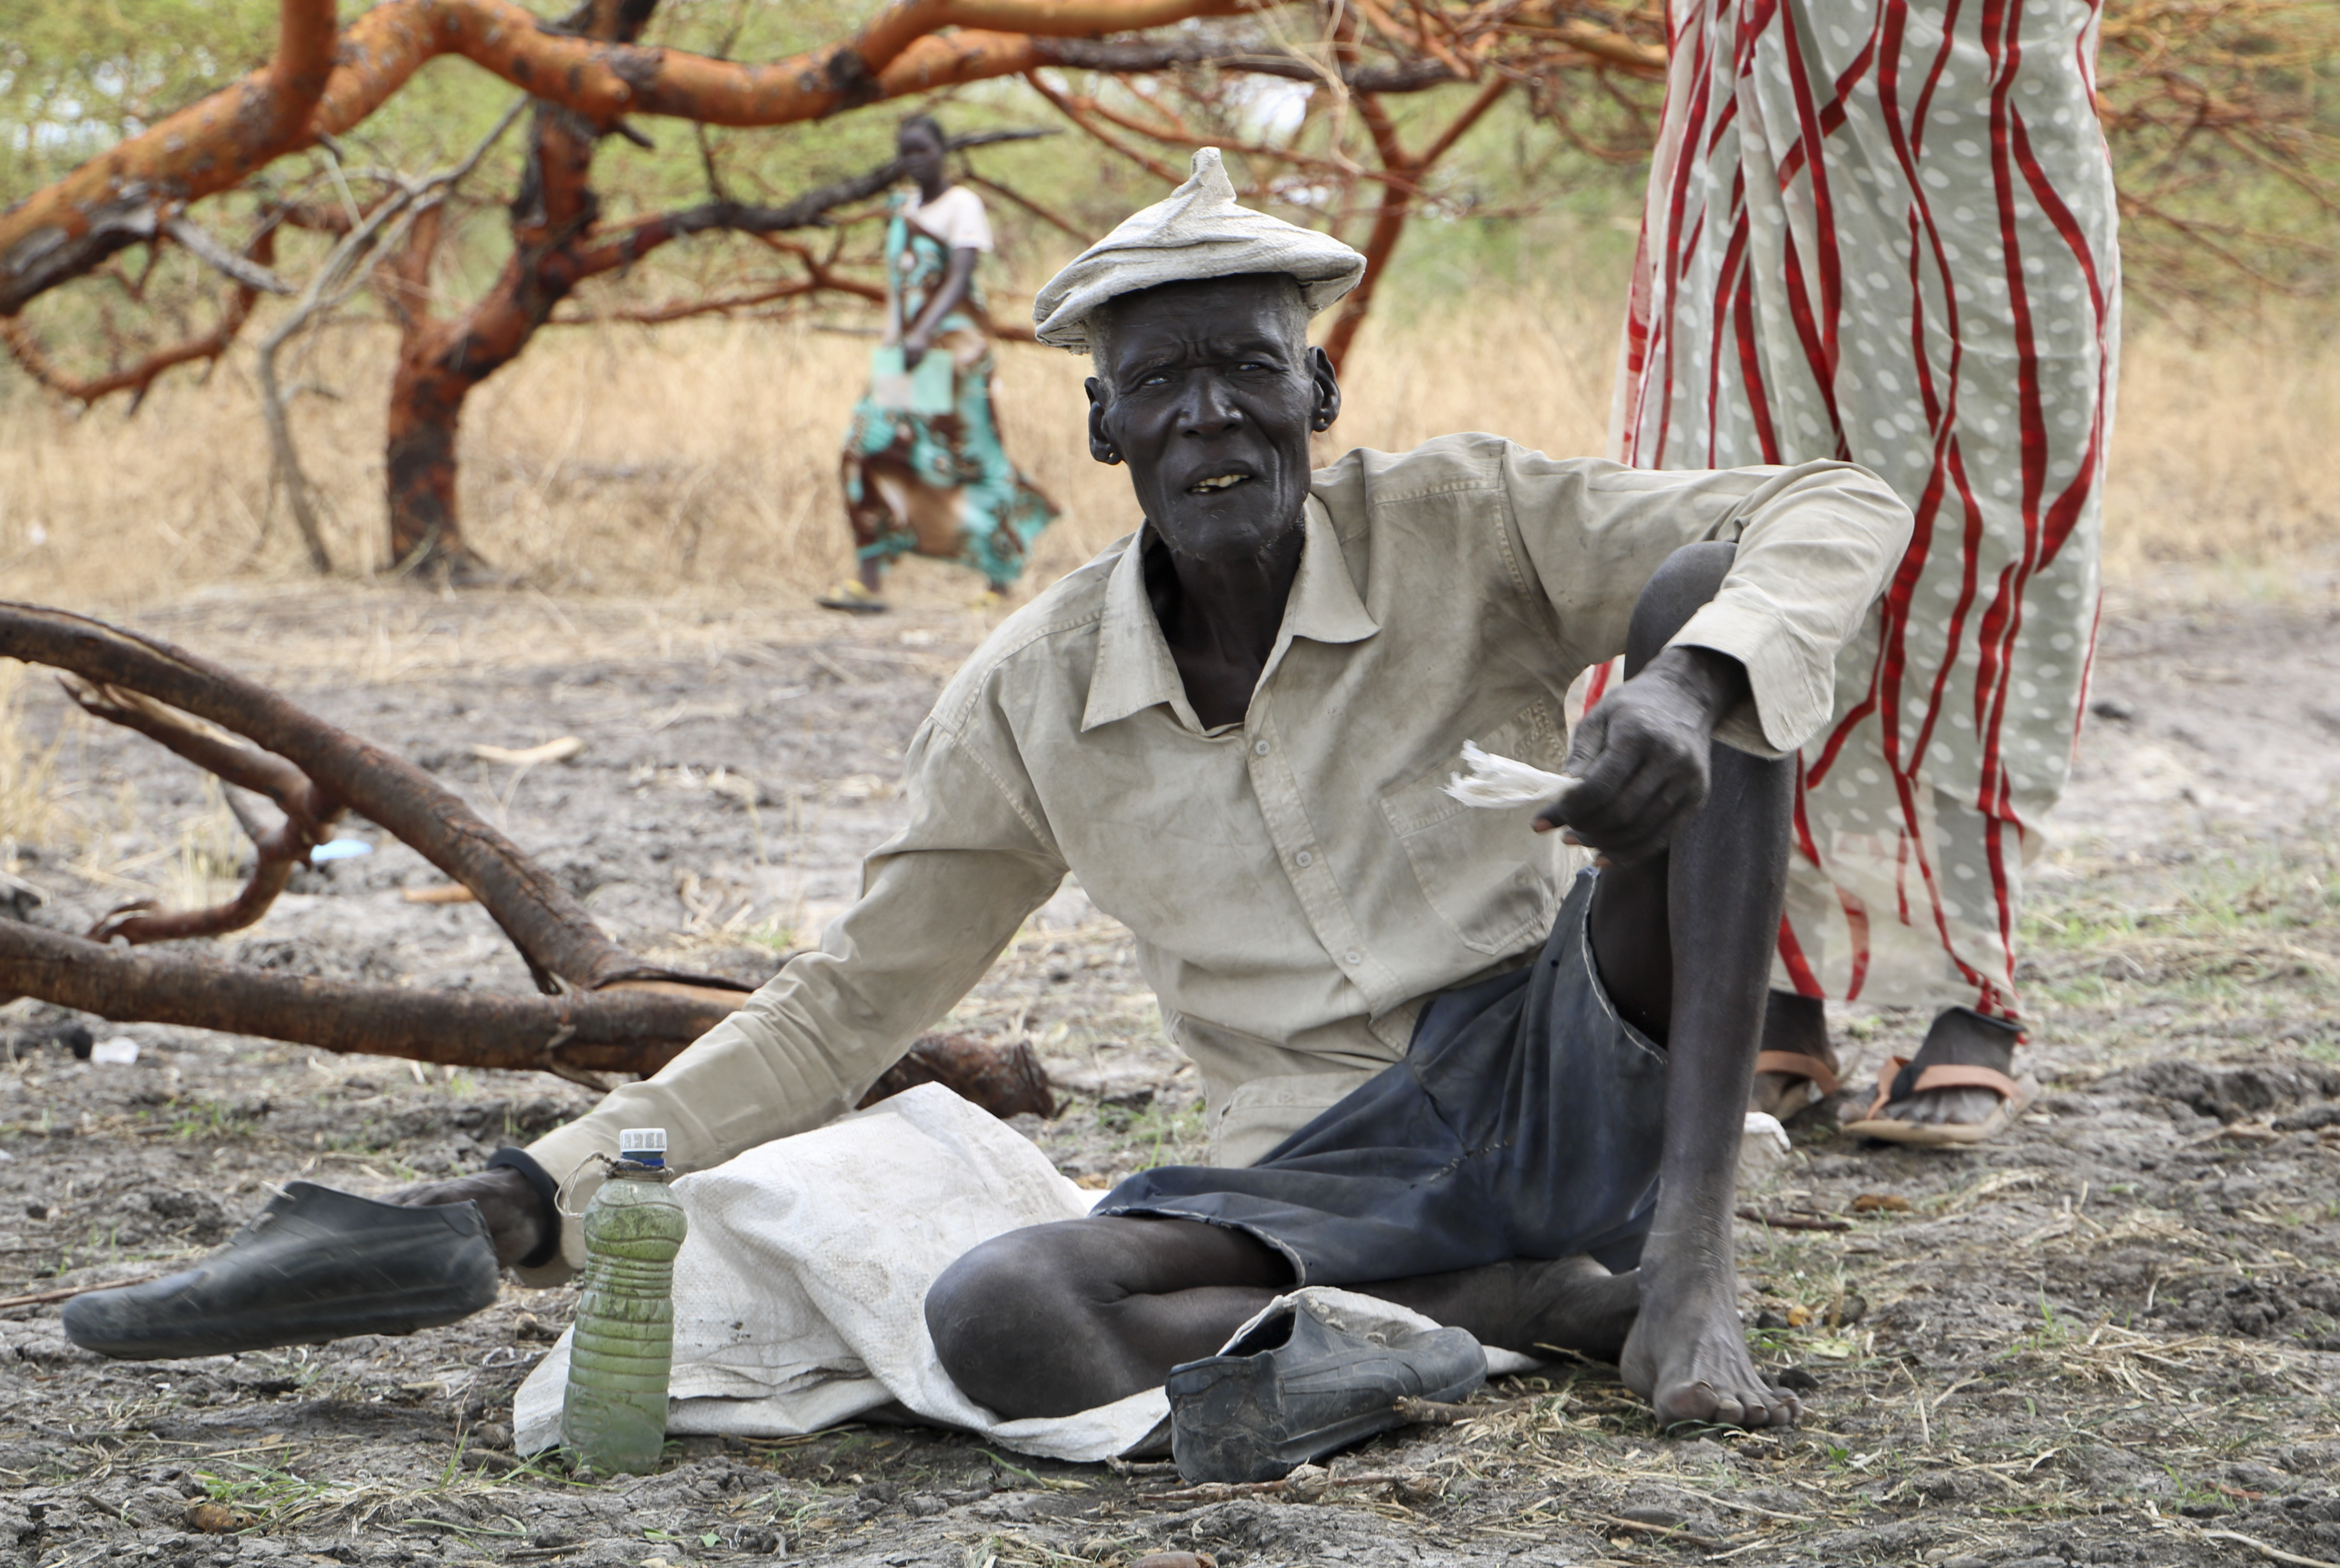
(1715, 892)
(1064, 1318)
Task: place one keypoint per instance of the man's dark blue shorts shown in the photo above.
(1525, 1121)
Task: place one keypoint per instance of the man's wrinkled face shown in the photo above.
(1208, 391)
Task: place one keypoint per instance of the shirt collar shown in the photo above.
(1134, 670)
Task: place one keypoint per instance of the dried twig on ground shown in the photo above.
(1306, 1484)
(1792, 1221)
(68, 1292)
(2273, 1554)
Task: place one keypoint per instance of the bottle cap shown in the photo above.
(642, 1145)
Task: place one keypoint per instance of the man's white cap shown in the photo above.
(1197, 231)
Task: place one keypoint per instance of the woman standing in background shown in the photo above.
(1885, 232)
(924, 469)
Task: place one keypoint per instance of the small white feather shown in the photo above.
(1498, 781)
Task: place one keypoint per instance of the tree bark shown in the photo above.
(323, 84)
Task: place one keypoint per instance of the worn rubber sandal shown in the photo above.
(2014, 1094)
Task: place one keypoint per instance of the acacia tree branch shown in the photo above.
(220, 259)
(809, 210)
(1397, 202)
(620, 1013)
(1147, 56)
(379, 232)
(112, 200)
(214, 145)
(138, 378)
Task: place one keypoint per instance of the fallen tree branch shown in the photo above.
(1005, 1082)
(616, 1030)
(616, 1012)
(554, 935)
(629, 1026)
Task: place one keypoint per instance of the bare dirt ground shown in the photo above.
(2113, 1337)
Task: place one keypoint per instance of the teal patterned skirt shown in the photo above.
(940, 484)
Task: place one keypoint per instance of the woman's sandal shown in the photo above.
(2014, 1093)
(853, 598)
(1815, 1072)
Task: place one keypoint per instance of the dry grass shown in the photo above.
(32, 802)
(702, 460)
(2222, 451)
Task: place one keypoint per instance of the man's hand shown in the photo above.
(1643, 755)
(517, 1222)
(914, 347)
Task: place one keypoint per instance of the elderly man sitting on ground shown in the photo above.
(1441, 1071)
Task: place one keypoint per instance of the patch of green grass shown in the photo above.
(268, 1492)
(209, 1120)
(1158, 1134)
(775, 934)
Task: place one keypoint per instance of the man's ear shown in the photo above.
(1328, 390)
(1101, 445)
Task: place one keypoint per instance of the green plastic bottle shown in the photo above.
(613, 1414)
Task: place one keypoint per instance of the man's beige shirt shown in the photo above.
(1299, 883)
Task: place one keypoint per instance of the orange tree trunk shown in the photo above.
(439, 363)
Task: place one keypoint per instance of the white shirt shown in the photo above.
(957, 218)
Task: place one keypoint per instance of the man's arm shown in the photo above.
(1754, 668)
(938, 903)
(1643, 757)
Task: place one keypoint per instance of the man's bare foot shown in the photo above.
(1578, 1305)
(1528, 1305)
(1687, 1355)
(1958, 1037)
(517, 1222)
(1798, 1027)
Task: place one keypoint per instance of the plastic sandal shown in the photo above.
(2014, 1093)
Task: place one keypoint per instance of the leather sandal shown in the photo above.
(315, 1266)
(1900, 1081)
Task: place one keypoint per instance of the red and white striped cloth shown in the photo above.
(1885, 232)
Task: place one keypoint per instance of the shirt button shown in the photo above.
(1259, 748)
(1352, 957)
(1303, 859)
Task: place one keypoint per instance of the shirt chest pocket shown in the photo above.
(1491, 879)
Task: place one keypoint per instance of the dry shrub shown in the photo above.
(701, 458)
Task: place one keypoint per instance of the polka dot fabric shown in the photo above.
(1886, 233)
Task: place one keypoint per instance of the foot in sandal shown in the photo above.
(1797, 1067)
(1958, 1089)
(853, 598)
